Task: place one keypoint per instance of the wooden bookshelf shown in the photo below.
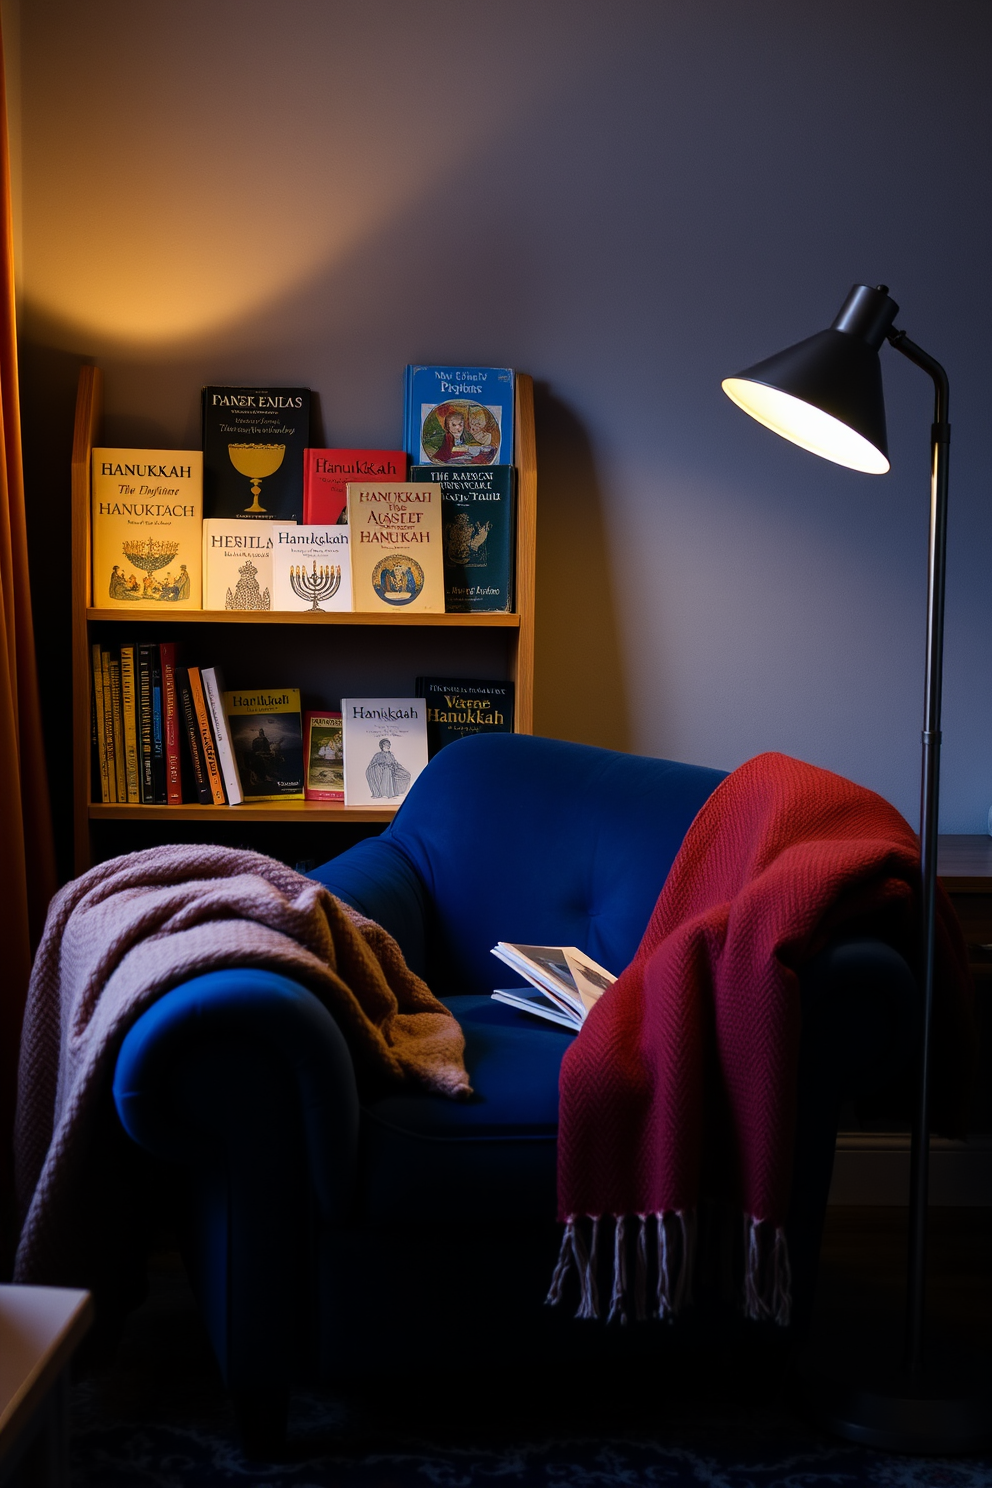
(362, 633)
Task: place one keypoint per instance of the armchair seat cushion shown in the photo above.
(422, 1155)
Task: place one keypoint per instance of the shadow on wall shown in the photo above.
(48, 378)
(580, 686)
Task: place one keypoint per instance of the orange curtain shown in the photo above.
(27, 855)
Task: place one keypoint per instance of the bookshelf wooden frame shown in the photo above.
(519, 624)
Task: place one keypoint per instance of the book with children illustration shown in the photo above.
(458, 415)
(564, 982)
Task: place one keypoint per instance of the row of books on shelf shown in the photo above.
(259, 519)
(167, 733)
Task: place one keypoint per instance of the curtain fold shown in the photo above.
(27, 854)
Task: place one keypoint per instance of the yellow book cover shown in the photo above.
(111, 714)
(396, 557)
(146, 513)
(100, 722)
(267, 740)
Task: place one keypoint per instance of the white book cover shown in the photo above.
(311, 567)
(385, 748)
(237, 564)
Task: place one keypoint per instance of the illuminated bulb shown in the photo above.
(805, 425)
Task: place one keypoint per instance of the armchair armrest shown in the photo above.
(243, 1078)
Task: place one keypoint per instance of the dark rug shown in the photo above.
(158, 1417)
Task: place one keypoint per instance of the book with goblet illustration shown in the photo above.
(458, 415)
(477, 509)
(311, 567)
(326, 473)
(565, 983)
(253, 443)
(395, 531)
(145, 515)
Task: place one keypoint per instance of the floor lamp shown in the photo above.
(825, 394)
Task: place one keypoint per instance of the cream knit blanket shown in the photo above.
(127, 931)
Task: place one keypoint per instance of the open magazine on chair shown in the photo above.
(565, 982)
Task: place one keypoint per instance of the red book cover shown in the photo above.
(170, 725)
(326, 473)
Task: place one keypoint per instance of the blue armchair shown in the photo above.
(327, 1234)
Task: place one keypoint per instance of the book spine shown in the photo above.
(213, 692)
(144, 712)
(191, 730)
(108, 726)
(100, 724)
(170, 725)
(129, 710)
(206, 737)
(158, 734)
(117, 725)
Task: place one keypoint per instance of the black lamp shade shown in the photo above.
(825, 393)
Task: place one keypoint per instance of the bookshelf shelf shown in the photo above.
(304, 617)
(267, 811)
(360, 661)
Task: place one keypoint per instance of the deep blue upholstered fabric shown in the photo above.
(330, 1233)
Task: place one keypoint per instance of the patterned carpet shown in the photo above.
(158, 1417)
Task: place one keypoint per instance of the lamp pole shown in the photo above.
(940, 439)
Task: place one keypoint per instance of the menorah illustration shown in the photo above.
(322, 583)
(151, 553)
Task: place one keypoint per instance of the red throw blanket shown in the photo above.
(780, 858)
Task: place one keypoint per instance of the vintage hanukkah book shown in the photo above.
(395, 531)
(207, 739)
(213, 692)
(170, 725)
(385, 748)
(477, 530)
(267, 737)
(237, 565)
(253, 443)
(458, 415)
(311, 567)
(460, 706)
(564, 982)
(146, 510)
(324, 754)
(326, 473)
(197, 781)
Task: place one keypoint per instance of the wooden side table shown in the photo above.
(40, 1328)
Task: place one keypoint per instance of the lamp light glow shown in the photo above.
(806, 425)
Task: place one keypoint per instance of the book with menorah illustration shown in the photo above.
(311, 567)
(146, 511)
(253, 443)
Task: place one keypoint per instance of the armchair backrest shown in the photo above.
(543, 842)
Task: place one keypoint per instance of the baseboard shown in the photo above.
(873, 1168)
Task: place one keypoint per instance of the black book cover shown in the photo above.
(457, 706)
(189, 729)
(477, 531)
(253, 443)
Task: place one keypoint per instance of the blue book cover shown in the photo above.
(459, 415)
(477, 532)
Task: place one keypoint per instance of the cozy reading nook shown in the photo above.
(628, 204)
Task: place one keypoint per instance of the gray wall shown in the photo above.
(628, 200)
